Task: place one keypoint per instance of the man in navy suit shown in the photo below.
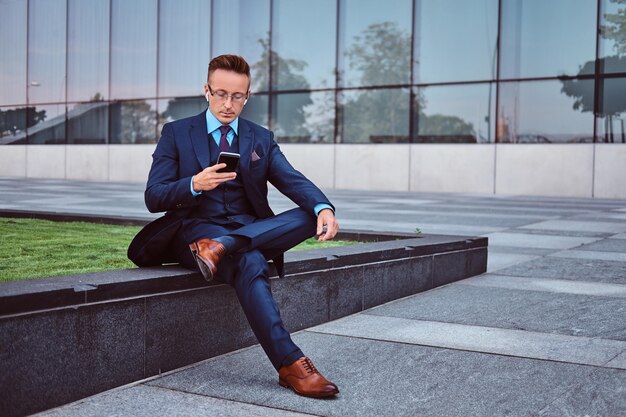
(225, 227)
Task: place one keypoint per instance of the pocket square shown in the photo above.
(254, 156)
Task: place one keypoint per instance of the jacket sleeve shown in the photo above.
(292, 182)
(165, 191)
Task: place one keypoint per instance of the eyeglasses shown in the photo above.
(222, 95)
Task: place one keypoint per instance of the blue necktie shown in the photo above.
(224, 146)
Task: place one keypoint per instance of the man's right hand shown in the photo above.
(208, 178)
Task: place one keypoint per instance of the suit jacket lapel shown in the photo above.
(200, 139)
(246, 144)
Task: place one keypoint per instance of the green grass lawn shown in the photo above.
(40, 248)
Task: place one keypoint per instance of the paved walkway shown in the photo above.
(542, 333)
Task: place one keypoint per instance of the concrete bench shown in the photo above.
(65, 338)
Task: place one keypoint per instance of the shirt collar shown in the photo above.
(212, 123)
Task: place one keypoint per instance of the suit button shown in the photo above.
(179, 205)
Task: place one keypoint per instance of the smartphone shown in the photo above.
(230, 159)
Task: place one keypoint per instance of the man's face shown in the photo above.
(227, 92)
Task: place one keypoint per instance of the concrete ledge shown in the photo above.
(65, 338)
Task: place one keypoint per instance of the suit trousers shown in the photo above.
(247, 272)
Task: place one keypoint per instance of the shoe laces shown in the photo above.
(308, 366)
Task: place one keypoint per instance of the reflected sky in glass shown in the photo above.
(88, 50)
(133, 48)
(538, 112)
(184, 42)
(242, 27)
(46, 51)
(304, 31)
(13, 52)
(456, 112)
(546, 38)
(375, 42)
(455, 40)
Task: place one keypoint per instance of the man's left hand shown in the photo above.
(326, 218)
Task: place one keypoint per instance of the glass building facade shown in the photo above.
(326, 71)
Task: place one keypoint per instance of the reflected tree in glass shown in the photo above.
(379, 55)
(293, 118)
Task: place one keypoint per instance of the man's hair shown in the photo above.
(233, 63)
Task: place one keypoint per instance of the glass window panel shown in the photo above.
(547, 38)
(256, 109)
(46, 51)
(303, 61)
(88, 122)
(242, 27)
(455, 114)
(613, 36)
(375, 116)
(612, 113)
(546, 112)
(375, 42)
(13, 52)
(48, 126)
(179, 108)
(133, 121)
(184, 46)
(133, 48)
(13, 122)
(455, 40)
(88, 50)
(304, 117)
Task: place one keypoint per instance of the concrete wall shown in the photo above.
(567, 170)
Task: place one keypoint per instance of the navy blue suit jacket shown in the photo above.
(183, 151)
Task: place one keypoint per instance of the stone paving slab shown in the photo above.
(549, 285)
(519, 343)
(496, 261)
(619, 236)
(572, 225)
(606, 245)
(537, 241)
(591, 255)
(567, 314)
(148, 401)
(570, 269)
(379, 378)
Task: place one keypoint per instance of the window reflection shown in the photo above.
(613, 36)
(256, 109)
(376, 43)
(13, 123)
(48, 126)
(133, 48)
(179, 108)
(87, 123)
(13, 52)
(455, 114)
(184, 46)
(612, 112)
(133, 121)
(545, 112)
(455, 40)
(88, 50)
(375, 116)
(546, 38)
(242, 27)
(46, 51)
(304, 118)
(312, 57)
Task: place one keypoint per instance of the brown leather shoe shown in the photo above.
(302, 377)
(207, 254)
